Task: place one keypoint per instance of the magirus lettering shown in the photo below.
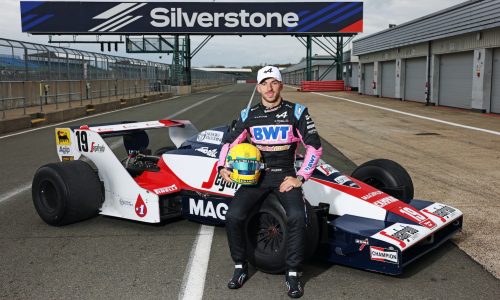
(207, 209)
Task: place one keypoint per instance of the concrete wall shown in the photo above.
(481, 83)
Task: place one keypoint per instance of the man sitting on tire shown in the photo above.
(276, 127)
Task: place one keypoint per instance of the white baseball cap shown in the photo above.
(268, 72)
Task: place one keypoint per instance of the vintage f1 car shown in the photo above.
(368, 220)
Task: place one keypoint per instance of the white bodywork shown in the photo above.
(340, 202)
(124, 198)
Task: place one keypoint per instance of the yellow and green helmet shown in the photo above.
(245, 162)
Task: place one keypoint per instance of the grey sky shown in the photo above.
(234, 51)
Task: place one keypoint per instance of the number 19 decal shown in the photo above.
(83, 144)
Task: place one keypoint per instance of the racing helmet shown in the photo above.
(245, 162)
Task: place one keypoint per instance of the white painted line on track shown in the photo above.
(25, 187)
(83, 118)
(251, 98)
(193, 283)
(413, 115)
(15, 192)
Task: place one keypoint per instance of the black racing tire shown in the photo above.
(66, 192)
(387, 176)
(266, 235)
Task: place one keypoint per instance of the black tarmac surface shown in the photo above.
(108, 258)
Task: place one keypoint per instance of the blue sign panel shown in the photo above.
(191, 17)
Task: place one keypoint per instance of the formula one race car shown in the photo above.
(368, 220)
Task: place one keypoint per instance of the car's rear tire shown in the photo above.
(266, 234)
(66, 192)
(387, 176)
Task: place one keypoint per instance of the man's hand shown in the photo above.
(225, 173)
(289, 183)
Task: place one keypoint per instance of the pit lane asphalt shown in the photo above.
(117, 259)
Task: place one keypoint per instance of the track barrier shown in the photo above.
(322, 86)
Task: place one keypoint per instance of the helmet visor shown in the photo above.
(245, 165)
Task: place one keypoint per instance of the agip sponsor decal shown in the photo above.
(63, 137)
(384, 255)
(64, 150)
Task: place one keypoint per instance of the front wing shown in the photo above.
(385, 246)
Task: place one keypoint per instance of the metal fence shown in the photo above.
(33, 75)
(24, 61)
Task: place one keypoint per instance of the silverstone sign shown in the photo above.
(65, 17)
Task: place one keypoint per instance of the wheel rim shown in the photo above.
(268, 233)
(48, 196)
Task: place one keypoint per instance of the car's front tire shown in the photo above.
(66, 192)
(387, 176)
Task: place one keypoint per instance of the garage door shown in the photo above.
(455, 79)
(368, 79)
(389, 79)
(495, 84)
(415, 79)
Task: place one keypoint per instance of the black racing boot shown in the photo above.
(239, 277)
(294, 285)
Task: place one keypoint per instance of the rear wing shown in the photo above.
(68, 139)
(118, 129)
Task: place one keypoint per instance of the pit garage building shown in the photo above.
(449, 58)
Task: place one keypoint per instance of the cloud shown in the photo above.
(248, 50)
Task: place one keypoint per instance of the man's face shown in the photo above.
(270, 90)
